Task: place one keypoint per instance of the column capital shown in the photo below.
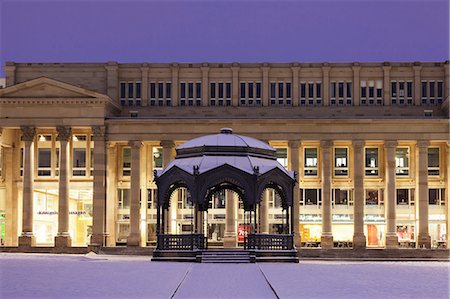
(205, 70)
(326, 144)
(135, 144)
(64, 133)
(144, 69)
(265, 68)
(423, 144)
(295, 69)
(28, 133)
(358, 143)
(356, 68)
(167, 143)
(390, 143)
(294, 144)
(417, 68)
(99, 133)
(326, 70)
(235, 69)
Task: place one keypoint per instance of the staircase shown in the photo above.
(226, 256)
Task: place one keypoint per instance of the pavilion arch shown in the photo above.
(175, 178)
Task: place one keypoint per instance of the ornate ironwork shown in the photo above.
(269, 241)
(181, 242)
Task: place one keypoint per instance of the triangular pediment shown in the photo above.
(47, 88)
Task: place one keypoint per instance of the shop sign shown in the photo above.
(341, 217)
(310, 218)
(437, 217)
(243, 231)
(56, 213)
(373, 218)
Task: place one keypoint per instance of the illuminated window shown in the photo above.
(371, 167)
(433, 161)
(282, 156)
(310, 168)
(310, 197)
(126, 161)
(402, 161)
(157, 157)
(340, 161)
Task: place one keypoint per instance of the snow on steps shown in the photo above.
(227, 256)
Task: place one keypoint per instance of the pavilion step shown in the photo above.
(227, 256)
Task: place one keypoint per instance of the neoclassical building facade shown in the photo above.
(369, 143)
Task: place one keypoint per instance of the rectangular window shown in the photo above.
(310, 168)
(402, 161)
(401, 89)
(138, 90)
(258, 90)
(123, 89)
(432, 84)
(152, 90)
(198, 90)
(250, 90)
(310, 197)
(349, 90)
(157, 157)
(303, 90)
(79, 162)
(439, 89)
(242, 90)
(310, 90)
(341, 197)
(44, 161)
(372, 197)
(228, 90)
(318, 90)
(272, 90)
(126, 161)
(288, 90)
(333, 90)
(402, 196)
(436, 197)
(183, 90)
(123, 200)
(281, 154)
(212, 90)
(409, 89)
(160, 90)
(130, 90)
(393, 89)
(168, 90)
(340, 161)
(433, 161)
(424, 89)
(280, 90)
(372, 161)
(363, 92)
(190, 90)
(341, 89)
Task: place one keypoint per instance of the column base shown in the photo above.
(134, 240)
(27, 240)
(391, 241)
(63, 241)
(99, 239)
(424, 241)
(230, 240)
(359, 242)
(297, 240)
(326, 241)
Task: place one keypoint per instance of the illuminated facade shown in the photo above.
(369, 142)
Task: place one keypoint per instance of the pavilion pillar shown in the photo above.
(134, 239)
(27, 239)
(230, 237)
(63, 239)
(264, 213)
(168, 155)
(326, 239)
(294, 156)
(423, 238)
(359, 239)
(390, 201)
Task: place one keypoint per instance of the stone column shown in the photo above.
(356, 84)
(265, 84)
(264, 213)
(447, 193)
(175, 70)
(111, 193)
(230, 238)
(417, 84)
(205, 84)
(235, 85)
(327, 235)
(112, 80)
(168, 155)
(10, 73)
(359, 240)
(295, 84)
(10, 167)
(63, 239)
(98, 237)
(423, 238)
(135, 214)
(27, 238)
(390, 198)
(294, 165)
(387, 84)
(326, 84)
(144, 85)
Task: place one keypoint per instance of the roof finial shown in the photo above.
(226, 131)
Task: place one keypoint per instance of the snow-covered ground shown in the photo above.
(93, 276)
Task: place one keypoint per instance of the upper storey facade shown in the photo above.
(324, 90)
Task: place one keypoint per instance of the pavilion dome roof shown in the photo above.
(208, 152)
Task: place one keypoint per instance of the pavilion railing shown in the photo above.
(181, 242)
(269, 241)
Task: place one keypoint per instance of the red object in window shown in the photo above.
(243, 231)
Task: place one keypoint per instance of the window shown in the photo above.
(126, 161)
(433, 161)
(372, 198)
(130, 90)
(436, 196)
(152, 90)
(250, 93)
(123, 199)
(138, 90)
(198, 90)
(371, 92)
(157, 157)
(160, 90)
(310, 168)
(341, 93)
(123, 89)
(272, 90)
(405, 197)
(282, 156)
(288, 90)
(250, 90)
(342, 197)
(371, 167)
(168, 90)
(44, 161)
(302, 90)
(191, 90)
(161, 93)
(340, 161)
(310, 197)
(212, 90)
(439, 90)
(79, 162)
(218, 200)
(429, 91)
(228, 90)
(151, 198)
(401, 93)
(402, 161)
(307, 95)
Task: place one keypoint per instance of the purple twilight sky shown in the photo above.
(226, 31)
